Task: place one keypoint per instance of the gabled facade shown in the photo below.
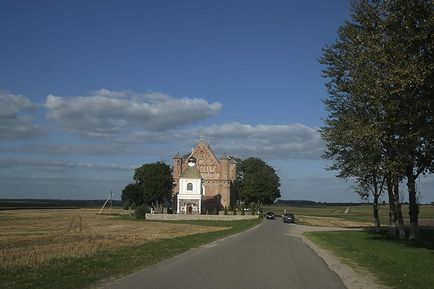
(191, 190)
(218, 176)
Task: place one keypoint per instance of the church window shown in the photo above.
(189, 187)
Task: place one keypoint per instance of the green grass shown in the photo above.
(81, 272)
(396, 264)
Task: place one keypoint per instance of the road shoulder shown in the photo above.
(352, 278)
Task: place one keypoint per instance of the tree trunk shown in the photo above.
(392, 213)
(413, 206)
(376, 217)
(398, 213)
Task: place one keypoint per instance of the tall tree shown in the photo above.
(153, 185)
(380, 87)
(132, 194)
(257, 182)
(155, 181)
(409, 76)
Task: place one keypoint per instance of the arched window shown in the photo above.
(189, 187)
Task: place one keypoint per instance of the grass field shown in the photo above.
(33, 237)
(396, 264)
(357, 216)
(76, 248)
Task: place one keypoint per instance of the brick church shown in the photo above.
(215, 176)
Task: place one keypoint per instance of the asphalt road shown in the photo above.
(265, 257)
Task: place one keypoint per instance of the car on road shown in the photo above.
(269, 216)
(288, 218)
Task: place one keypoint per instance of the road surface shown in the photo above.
(265, 257)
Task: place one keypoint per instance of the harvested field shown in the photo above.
(33, 237)
(330, 222)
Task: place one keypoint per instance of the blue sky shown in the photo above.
(89, 90)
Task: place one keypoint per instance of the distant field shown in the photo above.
(33, 237)
(355, 216)
(14, 204)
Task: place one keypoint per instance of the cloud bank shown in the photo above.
(105, 113)
(16, 118)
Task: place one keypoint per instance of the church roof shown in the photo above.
(191, 173)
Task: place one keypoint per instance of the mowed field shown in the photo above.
(29, 238)
(349, 216)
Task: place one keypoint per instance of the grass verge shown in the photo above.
(396, 264)
(81, 272)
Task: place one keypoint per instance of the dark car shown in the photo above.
(288, 218)
(269, 215)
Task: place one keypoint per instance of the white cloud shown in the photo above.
(62, 165)
(16, 120)
(287, 141)
(106, 113)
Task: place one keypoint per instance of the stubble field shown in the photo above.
(29, 238)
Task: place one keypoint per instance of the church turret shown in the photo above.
(177, 166)
(224, 160)
(192, 161)
(177, 171)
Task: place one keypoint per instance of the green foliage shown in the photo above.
(226, 210)
(234, 210)
(133, 206)
(132, 194)
(153, 185)
(253, 209)
(380, 104)
(127, 204)
(257, 182)
(155, 181)
(243, 208)
(140, 212)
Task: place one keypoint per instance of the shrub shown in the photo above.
(127, 205)
(243, 208)
(226, 210)
(234, 210)
(133, 206)
(140, 212)
(253, 208)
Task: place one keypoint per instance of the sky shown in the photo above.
(90, 90)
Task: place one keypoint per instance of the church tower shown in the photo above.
(191, 190)
(177, 171)
(218, 176)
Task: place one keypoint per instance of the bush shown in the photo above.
(253, 208)
(226, 210)
(140, 212)
(243, 208)
(127, 205)
(133, 206)
(234, 210)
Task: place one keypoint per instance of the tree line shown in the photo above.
(379, 129)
